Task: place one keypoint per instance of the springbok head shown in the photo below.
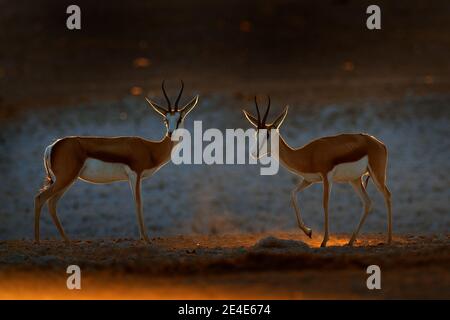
(264, 129)
(173, 115)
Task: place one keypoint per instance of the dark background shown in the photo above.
(320, 51)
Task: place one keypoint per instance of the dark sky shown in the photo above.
(207, 40)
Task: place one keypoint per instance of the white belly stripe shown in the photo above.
(97, 171)
(343, 172)
(351, 170)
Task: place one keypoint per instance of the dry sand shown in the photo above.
(278, 265)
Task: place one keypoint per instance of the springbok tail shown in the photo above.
(49, 179)
(47, 183)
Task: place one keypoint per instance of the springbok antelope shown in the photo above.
(340, 158)
(106, 160)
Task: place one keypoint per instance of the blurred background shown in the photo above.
(318, 57)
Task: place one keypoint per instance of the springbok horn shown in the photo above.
(165, 95)
(179, 96)
(267, 112)
(257, 111)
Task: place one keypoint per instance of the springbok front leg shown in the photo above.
(135, 183)
(300, 187)
(367, 203)
(326, 179)
(388, 203)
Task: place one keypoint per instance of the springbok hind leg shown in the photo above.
(367, 203)
(383, 189)
(52, 202)
(39, 200)
(387, 201)
(51, 195)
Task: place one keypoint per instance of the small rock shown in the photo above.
(275, 243)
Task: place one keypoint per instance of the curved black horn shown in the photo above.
(165, 95)
(179, 95)
(267, 112)
(257, 111)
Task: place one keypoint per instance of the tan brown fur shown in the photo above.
(323, 154)
(321, 157)
(129, 158)
(70, 153)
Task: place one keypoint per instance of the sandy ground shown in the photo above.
(279, 265)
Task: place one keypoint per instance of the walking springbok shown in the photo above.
(106, 160)
(340, 158)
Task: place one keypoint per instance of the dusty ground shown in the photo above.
(278, 265)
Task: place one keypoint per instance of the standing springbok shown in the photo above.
(106, 160)
(340, 158)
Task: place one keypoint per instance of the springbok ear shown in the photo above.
(188, 107)
(156, 107)
(279, 121)
(250, 118)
